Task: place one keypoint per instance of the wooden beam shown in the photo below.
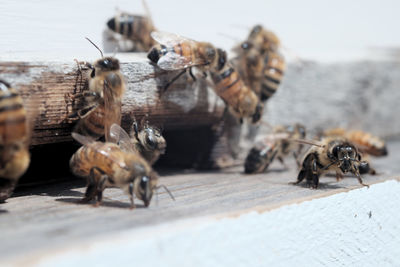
(186, 104)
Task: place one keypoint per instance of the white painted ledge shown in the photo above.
(355, 228)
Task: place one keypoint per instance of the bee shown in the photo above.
(175, 52)
(331, 154)
(103, 100)
(113, 165)
(261, 63)
(148, 141)
(134, 28)
(14, 139)
(277, 145)
(366, 142)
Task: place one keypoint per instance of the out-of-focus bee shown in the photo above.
(365, 142)
(14, 139)
(277, 145)
(134, 28)
(260, 62)
(331, 154)
(113, 165)
(148, 141)
(263, 39)
(262, 72)
(176, 52)
(102, 100)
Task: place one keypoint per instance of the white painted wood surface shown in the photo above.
(356, 228)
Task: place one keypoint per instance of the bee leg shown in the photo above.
(339, 176)
(173, 80)
(192, 75)
(314, 176)
(132, 196)
(296, 156)
(91, 188)
(83, 65)
(135, 129)
(283, 162)
(100, 189)
(357, 173)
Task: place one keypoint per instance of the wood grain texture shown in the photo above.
(49, 217)
(183, 105)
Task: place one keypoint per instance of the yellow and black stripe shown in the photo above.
(274, 67)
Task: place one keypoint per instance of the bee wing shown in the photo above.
(120, 136)
(112, 105)
(84, 140)
(173, 61)
(169, 39)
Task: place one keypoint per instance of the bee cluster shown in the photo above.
(125, 160)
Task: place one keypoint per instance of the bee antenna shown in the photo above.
(229, 37)
(166, 189)
(101, 52)
(307, 142)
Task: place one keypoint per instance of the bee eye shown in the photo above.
(150, 142)
(144, 181)
(93, 73)
(246, 45)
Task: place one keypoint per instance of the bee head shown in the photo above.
(346, 155)
(111, 24)
(153, 139)
(256, 30)
(107, 64)
(255, 160)
(143, 189)
(154, 54)
(221, 58)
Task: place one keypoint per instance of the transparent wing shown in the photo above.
(84, 140)
(173, 61)
(120, 136)
(169, 39)
(112, 104)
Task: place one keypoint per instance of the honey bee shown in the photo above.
(103, 99)
(14, 139)
(176, 52)
(277, 145)
(113, 165)
(148, 141)
(134, 28)
(365, 142)
(261, 63)
(331, 154)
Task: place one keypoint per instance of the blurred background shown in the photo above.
(344, 61)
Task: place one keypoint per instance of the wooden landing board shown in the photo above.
(185, 104)
(44, 218)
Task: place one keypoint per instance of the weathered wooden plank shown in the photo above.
(183, 105)
(49, 217)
